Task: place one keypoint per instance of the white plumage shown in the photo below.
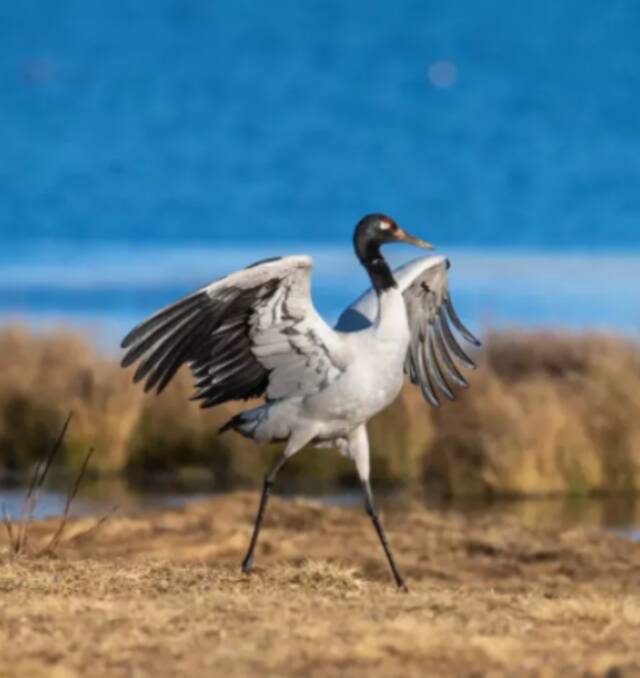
(256, 332)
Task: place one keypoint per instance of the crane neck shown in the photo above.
(376, 266)
(380, 274)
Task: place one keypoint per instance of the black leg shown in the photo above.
(266, 489)
(368, 502)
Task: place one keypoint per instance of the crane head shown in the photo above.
(375, 230)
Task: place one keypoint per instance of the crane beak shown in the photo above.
(402, 236)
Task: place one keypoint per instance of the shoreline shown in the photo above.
(612, 513)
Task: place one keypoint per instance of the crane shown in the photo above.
(256, 333)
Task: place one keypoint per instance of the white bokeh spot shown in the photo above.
(442, 74)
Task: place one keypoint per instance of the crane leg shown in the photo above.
(371, 511)
(266, 489)
(358, 450)
(296, 442)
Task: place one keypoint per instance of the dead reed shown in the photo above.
(546, 413)
(18, 531)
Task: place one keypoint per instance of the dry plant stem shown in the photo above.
(27, 510)
(55, 539)
(7, 523)
(37, 480)
(78, 538)
(54, 450)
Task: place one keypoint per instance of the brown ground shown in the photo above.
(161, 595)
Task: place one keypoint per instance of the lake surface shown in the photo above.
(151, 147)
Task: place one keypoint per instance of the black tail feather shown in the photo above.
(234, 422)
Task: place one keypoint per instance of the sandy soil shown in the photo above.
(161, 594)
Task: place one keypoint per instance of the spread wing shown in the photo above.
(434, 348)
(250, 333)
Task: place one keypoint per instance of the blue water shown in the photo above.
(150, 147)
(620, 516)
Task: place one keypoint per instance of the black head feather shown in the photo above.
(373, 231)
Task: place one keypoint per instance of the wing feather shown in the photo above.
(251, 333)
(433, 347)
(452, 343)
(435, 370)
(458, 323)
(449, 365)
(424, 380)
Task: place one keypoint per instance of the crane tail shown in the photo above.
(231, 424)
(248, 423)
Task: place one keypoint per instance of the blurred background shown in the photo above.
(151, 147)
(148, 148)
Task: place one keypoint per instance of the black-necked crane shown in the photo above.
(256, 333)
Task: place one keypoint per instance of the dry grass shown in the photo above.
(544, 414)
(162, 595)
